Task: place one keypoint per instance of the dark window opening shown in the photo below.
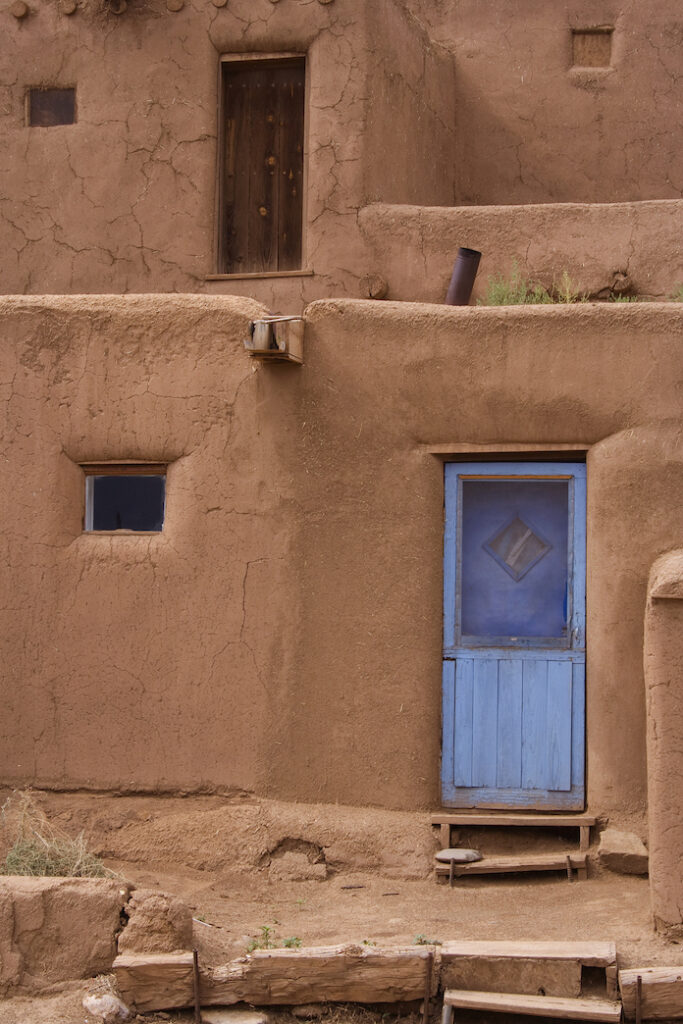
(592, 47)
(49, 107)
(125, 498)
(262, 166)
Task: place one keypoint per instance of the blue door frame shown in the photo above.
(514, 636)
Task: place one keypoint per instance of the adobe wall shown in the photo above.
(663, 674)
(453, 102)
(140, 661)
(125, 199)
(635, 245)
(532, 129)
(382, 384)
(283, 633)
(55, 929)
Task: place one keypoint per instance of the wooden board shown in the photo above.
(261, 179)
(661, 992)
(346, 973)
(589, 954)
(521, 974)
(155, 981)
(515, 865)
(356, 974)
(536, 1006)
(523, 820)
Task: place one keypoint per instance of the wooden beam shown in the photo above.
(520, 820)
(346, 973)
(536, 1006)
(661, 992)
(343, 974)
(155, 981)
(512, 974)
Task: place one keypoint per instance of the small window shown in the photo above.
(592, 47)
(262, 166)
(49, 107)
(125, 498)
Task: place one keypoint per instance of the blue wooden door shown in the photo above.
(514, 636)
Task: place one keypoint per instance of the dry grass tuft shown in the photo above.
(37, 847)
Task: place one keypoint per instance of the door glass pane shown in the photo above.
(514, 546)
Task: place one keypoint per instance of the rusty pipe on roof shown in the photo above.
(462, 280)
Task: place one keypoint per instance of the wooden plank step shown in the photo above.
(535, 1006)
(516, 865)
(590, 954)
(661, 992)
(523, 820)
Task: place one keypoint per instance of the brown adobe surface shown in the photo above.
(212, 852)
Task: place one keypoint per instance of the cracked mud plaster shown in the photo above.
(531, 129)
(56, 929)
(157, 653)
(124, 200)
(542, 241)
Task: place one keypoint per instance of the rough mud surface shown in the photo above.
(366, 876)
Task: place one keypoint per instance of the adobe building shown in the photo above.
(438, 563)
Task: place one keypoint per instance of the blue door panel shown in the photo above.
(509, 737)
(461, 730)
(559, 725)
(484, 721)
(514, 670)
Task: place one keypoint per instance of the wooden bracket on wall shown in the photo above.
(276, 339)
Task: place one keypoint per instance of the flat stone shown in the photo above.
(232, 1015)
(459, 855)
(622, 852)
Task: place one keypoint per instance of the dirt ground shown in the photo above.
(233, 860)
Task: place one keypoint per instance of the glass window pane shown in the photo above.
(128, 502)
(514, 568)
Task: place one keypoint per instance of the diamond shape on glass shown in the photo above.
(517, 548)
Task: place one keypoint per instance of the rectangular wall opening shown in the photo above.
(261, 165)
(592, 47)
(50, 107)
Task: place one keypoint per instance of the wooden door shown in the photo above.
(261, 200)
(514, 636)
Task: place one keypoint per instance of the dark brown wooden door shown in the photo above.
(262, 166)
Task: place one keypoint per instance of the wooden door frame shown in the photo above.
(517, 468)
(261, 57)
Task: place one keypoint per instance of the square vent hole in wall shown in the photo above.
(49, 107)
(125, 497)
(592, 47)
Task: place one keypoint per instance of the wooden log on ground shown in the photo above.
(522, 975)
(155, 981)
(290, 977)
(524, 967)
(661, 992)
(334, 974)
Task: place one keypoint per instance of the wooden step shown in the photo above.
(661, 992)
(534, 1006)
(524, 820)
(589, 954)
(517, 865)
(447, 819)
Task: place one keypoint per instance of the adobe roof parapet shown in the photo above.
(666, 577)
